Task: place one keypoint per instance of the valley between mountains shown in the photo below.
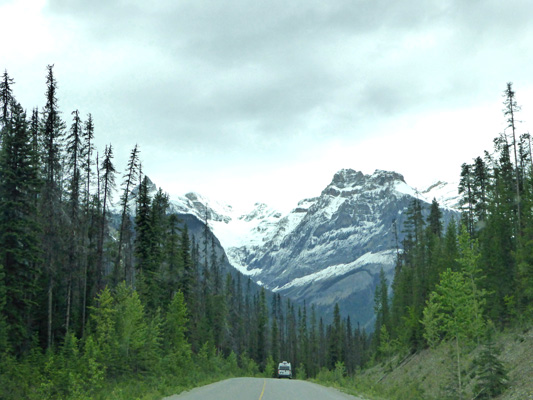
(329, 249)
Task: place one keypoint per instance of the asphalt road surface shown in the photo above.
(262, 389)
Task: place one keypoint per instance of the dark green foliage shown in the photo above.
(20, 254)
(123, 268)
(381, 308)
(491, 374)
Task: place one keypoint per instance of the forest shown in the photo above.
(91, 299)
(97, 303)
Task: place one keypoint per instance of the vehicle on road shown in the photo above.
(284, 370)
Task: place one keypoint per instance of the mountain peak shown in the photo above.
(347, 178)
(348, 181)
(382, 177)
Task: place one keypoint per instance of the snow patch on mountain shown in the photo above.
(382, 257)
(446, 194)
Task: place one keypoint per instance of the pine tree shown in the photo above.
(335, 339)
(4, 347)
(73, 153)
(261, 329)
(480, 190)
(491, 374)
(454, 311)
(20, 254)
(381, 307)
(153, 294)
(498, 240)
(129, 179)
(174, 266)
(175, 331)
(511, 108)
(52, 132)
(87, 163)
(108, 184)
(467, 201)
(6, 100)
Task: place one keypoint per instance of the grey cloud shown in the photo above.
(269, 65)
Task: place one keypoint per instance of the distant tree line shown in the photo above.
(89, 296)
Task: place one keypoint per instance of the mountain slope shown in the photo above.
(327, 250)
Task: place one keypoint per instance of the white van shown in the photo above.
(284, 370)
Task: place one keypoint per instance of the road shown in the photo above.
(262, 389)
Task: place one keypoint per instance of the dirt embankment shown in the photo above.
(428, 370)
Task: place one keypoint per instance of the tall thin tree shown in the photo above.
(129, 179)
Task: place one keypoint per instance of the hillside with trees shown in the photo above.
(460, 286)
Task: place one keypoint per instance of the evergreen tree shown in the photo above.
(467, 201)
(381, 306)
(108, 184)
(6, 95)
(175, 332)
(335, 339)
(6, 100)
(4, 347)
(491, 374)
(498, 239)
(143, 228)
(130, 177)
(87, 163)
(20, 254)
(511, 108)
(480, 190)
(261, 329)
(434, 220)
(454, 312)
(73, 153)
(52, 132)
(153, 272)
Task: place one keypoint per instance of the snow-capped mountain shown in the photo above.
(328, 249)
(445, 193)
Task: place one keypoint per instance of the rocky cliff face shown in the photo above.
(330, 249)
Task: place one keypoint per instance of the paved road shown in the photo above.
(262, 389)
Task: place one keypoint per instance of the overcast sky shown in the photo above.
(256, 100)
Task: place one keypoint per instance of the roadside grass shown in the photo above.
(426, 374)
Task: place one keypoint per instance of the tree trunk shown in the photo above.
(458, 367)
(69, 295)
(84, 300)
(49, 325)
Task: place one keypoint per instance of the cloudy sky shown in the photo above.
(254, 100)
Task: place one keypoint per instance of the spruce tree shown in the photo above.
(381, 306)
(73, 160)
(6, 100)
(175, 331)
(480, 190)
(87, 162)
(498, 240)
(20, 254)
(108, 184)
(129, 179)
(492, 379)
(4, 348)
(511, 108)
(468, 200)
(52, 132)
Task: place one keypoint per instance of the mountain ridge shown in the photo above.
(328, 249)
